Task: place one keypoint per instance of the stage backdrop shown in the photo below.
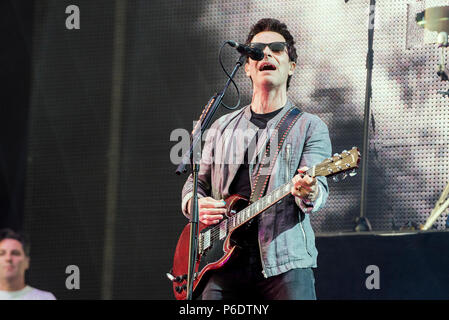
(101, 190)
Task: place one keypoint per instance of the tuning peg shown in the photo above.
(339, 177)
(355, 148)
(337, 155)
(353, 173)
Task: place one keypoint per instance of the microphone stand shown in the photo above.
(362, 223)
(194, 156)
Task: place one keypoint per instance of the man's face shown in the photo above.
(280, 65)
(13, 261)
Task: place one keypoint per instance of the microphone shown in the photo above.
(253, 53)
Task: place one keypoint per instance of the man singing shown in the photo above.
(276, 252)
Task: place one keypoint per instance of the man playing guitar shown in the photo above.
(275, 251)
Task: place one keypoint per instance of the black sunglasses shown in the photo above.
(274, 46)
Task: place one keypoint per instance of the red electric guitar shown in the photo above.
(215, 245)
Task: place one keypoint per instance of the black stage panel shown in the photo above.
(412, 265)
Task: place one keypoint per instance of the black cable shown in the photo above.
(228, 75)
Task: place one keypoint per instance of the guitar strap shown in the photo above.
(282, 128)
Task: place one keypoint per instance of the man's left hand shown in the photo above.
(305, 186)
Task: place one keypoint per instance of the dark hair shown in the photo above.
(10, 234)
(269, 24)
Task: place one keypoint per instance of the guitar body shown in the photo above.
(215, 257)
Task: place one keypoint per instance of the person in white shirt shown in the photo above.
(14, 261)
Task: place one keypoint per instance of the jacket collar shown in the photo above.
(285, 108)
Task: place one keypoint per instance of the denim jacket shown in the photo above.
(286, 238)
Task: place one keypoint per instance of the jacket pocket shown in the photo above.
(305, 238)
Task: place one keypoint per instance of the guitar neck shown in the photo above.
(339, 163)
(264, 203)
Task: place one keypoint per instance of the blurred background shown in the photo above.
(87, 116)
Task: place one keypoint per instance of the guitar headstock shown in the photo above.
(339, 163)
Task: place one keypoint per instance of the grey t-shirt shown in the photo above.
(27, 293)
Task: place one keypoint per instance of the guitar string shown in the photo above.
(216, 230)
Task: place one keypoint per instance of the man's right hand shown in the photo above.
(211, 210)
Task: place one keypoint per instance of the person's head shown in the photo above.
(14, 256)
(282, 62)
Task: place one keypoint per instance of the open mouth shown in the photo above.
(266, 66)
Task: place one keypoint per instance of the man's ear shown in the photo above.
(292, 68)
(27, 259)
(247, 69)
